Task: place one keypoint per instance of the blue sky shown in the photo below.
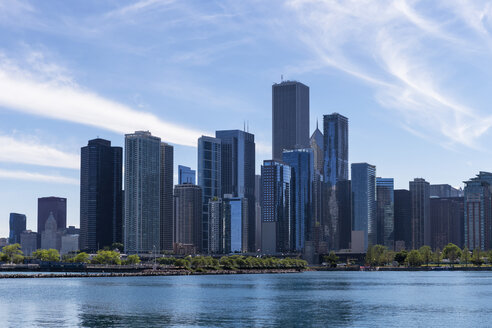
(413, 77)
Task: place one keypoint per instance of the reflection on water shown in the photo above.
(319, 299)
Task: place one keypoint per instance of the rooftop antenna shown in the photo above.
(316, 123)
(247, 126)
(244, 126)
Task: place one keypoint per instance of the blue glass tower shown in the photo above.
(364, 202)
(17, 224)
(301, 162)
(335, 148)
(186, 175)
(385, 212)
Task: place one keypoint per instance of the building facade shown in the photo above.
(290, 117)
(364, 203)
(186, 175)
(188, 215)
(51, 235)
(55, 205)
(447, 221)
(17, 224)
(101, 203)
(236, 224)
(142, 193)
(167, 198)
(385, 212)
(421, 228)
(403, 219)
(29, 242)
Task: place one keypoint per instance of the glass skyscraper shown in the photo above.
(238, 173)
(301, 162)
(478, 212)
(17, 224)
(236, 222)
(364, 202)
(186, 175)
(277, 209)
(421, 225)
(403, 219)
(209, 178)
(385, 212)
(290, 117)
(101, 211)
(335, 148)
(142, 193)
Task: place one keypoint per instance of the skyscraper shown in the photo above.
(335, 148)
(209, 178)
(385, 212)
(186, 175)
(344, 201)
(364, 203)
(55, 205)
(142, 193)
(290, 117)
(447, 221)
(478, 212)
(403, 219)
(236, 224)
(17, 224)
(301, 162)
(188, 211)
(317, 145)
(101, 217)
(258, 201)
(216, 226)
(167, 213)
(238, 173)
(421, 228)
(277, 209)
(444, 191)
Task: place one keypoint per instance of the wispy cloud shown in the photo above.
(405, 55)
(32, 151)
(38, 177)
(43, 91)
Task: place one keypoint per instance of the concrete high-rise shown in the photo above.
(478, 212)
(290, 117)
(216, 227)
(385, 212)
(167, 213)
(17, 224)
(301, 162)
(421, 227)
(209, 178)
(186, 175)
(277, 209)
(238, 173)
(142, 193)
(101, 207)
(188, 212)
(364, 203)
(55, 205)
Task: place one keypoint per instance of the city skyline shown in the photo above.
(73, 99)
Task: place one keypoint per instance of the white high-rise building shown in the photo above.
(142, 193)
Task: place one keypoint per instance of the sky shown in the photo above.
(413, 77)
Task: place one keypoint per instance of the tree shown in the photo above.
(436, 256)
(476, 258)
(414, 258)
(401, 257)
(331, 259)
(106, 257)
(117, 246)
(451, 252)
(465, 256)
(426, 254)
(82, 257)
(376, 255)
(132, 259)
(51, 255)
(12, 253)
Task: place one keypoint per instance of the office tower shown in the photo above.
(420, 192)
(238, 172)
(403, 219)
(29, 242)
(447, 221)
(216, 226)
(55, 205)
(186, 175)
(236, 224)
(277, 209)
(188, 215)
(344, 201)
(335, 148)
(445, 191)
(101, 203)
(478, 212)
(69, 244)
(317, 145)
(167, 213)
(364, 204)
(51, 236)
(258, 200)
(301, 162)
(142, 193)
(290, 117)
(385, 212)
(209, 178)
(17, 224)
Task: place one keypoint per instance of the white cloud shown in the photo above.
(31, 176)
(40, 93)
(31, 151)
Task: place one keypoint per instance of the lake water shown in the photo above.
(310, 299)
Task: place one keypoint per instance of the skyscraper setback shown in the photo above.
(290, 117)
(101, 221)
(142, 192)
